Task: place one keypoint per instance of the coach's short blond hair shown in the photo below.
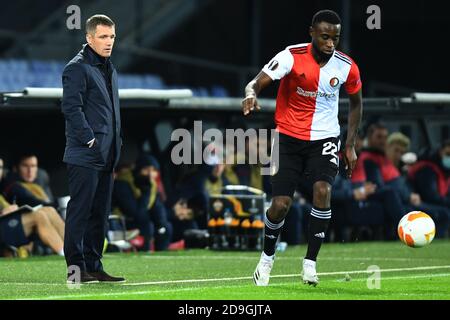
(400, 139)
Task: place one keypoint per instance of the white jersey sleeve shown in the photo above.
(280, 65)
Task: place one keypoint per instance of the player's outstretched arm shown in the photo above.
(252, 90)
(354, 120)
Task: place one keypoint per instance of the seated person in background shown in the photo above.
(132, 204)
(397, 145)
(354, 207)
(189, 184)
(374, 165)
(235, 170)
(136, 196)
(216, 181)
(194, 180)
(430, 177)
(15, 229)
(374, 156)
(21, 186)
(184, 213)
(222, 174)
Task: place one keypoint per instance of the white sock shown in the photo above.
(61, 253)
(267, 258)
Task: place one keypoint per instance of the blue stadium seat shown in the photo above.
(15, 74)
(3, 66)
(56, 66)
(152, 81)
(40, 66)
(201, 92)
(15, 65)
(219, 92)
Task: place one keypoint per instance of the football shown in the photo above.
(416, 229)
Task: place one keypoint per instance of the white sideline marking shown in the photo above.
(149, 292)
(282, 276)
(284, 258)
(240, 278)
(110, 294)
(227, 279)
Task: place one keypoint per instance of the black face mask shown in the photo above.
(323, 56)
(141, 181)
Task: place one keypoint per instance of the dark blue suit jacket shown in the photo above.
(90, 113)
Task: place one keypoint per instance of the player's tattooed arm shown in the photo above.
(252, 90)
(354, 120)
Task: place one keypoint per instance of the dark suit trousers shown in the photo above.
(86, 217)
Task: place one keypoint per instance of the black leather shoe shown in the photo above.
(84, 278)
(102, 276)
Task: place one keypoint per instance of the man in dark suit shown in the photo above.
(90, 105)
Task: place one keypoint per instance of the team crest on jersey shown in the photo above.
(334, 82)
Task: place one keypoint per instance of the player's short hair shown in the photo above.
(98, 19)
(326, 16)
(400, 139)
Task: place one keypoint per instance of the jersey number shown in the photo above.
(330, 148)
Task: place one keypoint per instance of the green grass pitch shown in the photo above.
(406, 273)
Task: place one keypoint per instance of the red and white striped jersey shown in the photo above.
(308, 96)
